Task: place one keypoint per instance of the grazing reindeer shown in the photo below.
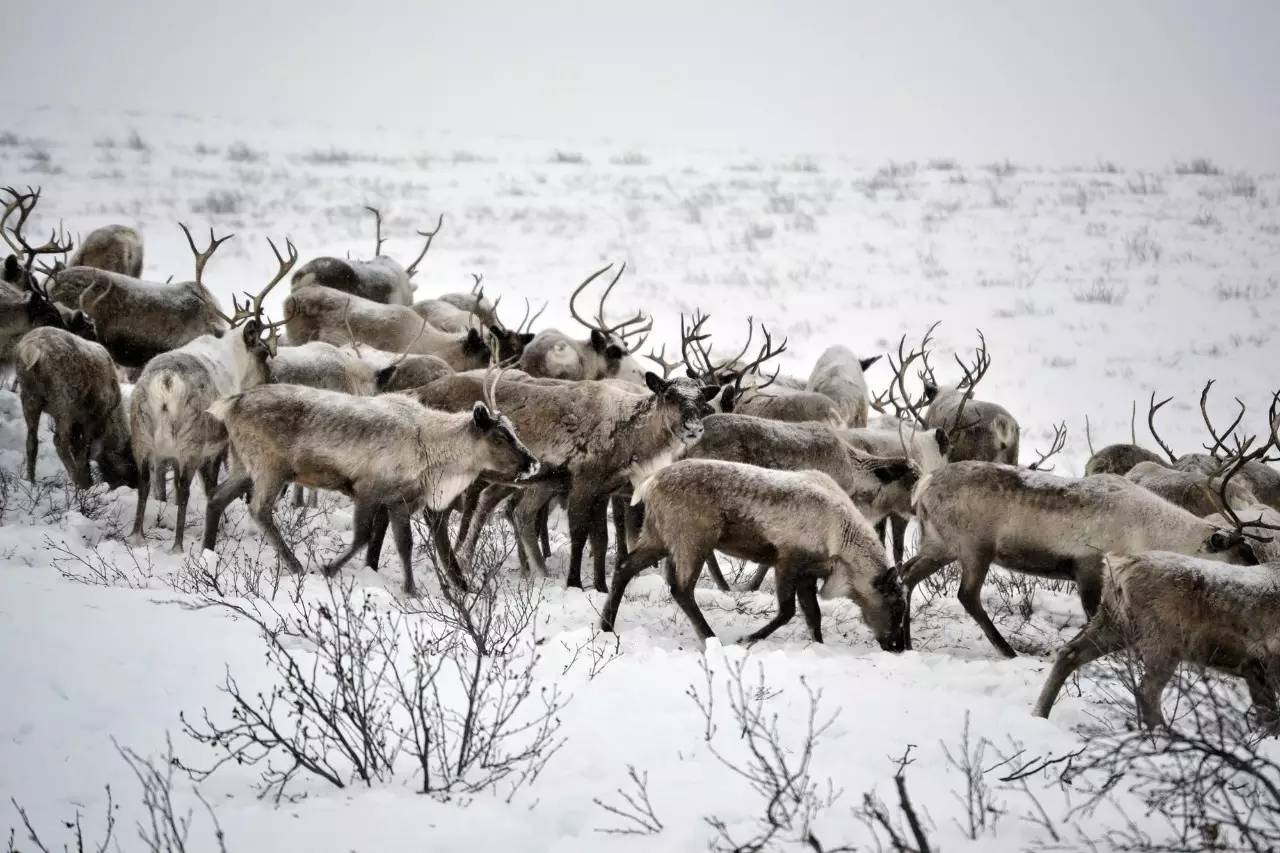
(1171, 607)
(322, 365)
(24, 303)
(75, 382)
(838, 374)
(138, 320)
(400, 371)
(379, 280)
(388, 452)
(114, 248)
(605, 354)
(168, 414)
(1050, 526)
(449, 318)
(801, 522)
(1117, 458)
(324, 314)
(604, 436)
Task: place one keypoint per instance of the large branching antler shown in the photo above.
(624, 330)
(202, 258)
(767, 352)
(692, 337)
(1241, 454)
(901, 399)
(1059, 442)
(526, 324)
(377, 230)
(412, 269)
(254, 307)
(660, 358)
(24, 203)
(1219, 438)
(973, 374)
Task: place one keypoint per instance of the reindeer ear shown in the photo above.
(891, 471)
(944, 443)
(599, 340)
(526, 338)
(867, 362)
(12, 270)
(614, 351)
(730, 398)
(482, 416)
(383, 377)
(710, 392)
(654, 382)
(930, 391)
(473, 343)
(688, 371)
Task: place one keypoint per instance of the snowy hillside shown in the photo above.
(1094, 287)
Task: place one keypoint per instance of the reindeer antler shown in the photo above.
(377, 230)
(25, 203)
(202, 258)
(412, 269)
(1059, 442)
(1152, 408)
(659, 358)
(1219, 439)
(972, 376)
(905, 358)
(643, 324)
(1241, 455)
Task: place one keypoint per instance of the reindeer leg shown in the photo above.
(1100, 637)
(1262, 693)
(31, 409)
(299, 496)
(470, 500)
(236, 485)
(974, 568)
(65, 445)
(717, 576)
(526, 508)
(807, 592)
(618, 507)
(403, 534)
(637, 561)
(472, 525)
(361, 524)
(898, 529)
(916, 569)
(265, 490)
(183, 475)
(1089, 585)
(682, 577)
(161, 485)
(1159, 669)
(600, 543)
(544, 532)
(446, 559)
(786, 580)
(144, 487)
(377, 533)
(753, 585)
(581, 505)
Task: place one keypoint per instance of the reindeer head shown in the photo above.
(607, 354)
(685, 401)
(500, 452)
(19, 269)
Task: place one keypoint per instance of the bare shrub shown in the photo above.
(943, 164)
(41, 162)
(240, 152)
(1141, 247)
(1146, 184)
(1102, 291)
(981, 809)
(629, 158)
(135, 142)
(1205, 219)
(1001, 168)
(1246, 291)
(882, 826)
(8, 139)
(1242, 185)
(635, 811)
(1107, 167)
(777, 769)
(218, 202)
(805, 165)
(1196, 166)
(367, 691)
(569, 158)
(93, 568)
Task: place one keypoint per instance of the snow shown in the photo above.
(1091, 290)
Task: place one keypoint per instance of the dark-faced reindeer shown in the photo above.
(603, 436)
(168, 412)
(318, 313)
(838, 374)
(26, 304)
(381, 279)
(1041, 524)
(605, 354)
(399, 371)
(1170, 607)
(801, 522)
(447, 317)
(114, 248)
(74, 382)
(388, 452)
(1117, 458)
(138, 320)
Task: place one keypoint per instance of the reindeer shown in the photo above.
(838, 374)
(447, 317)
(802, 522)
(603, 435)
(386, 452)
(877, 485)
(324, 314)
(24, 303)
(139, 320)
(74, 381)
(379, 280)
(168, 414)
(399, 371)
(606, 353)
(114, 248)
(1041, 524)
(1117, 458)
(1171, 607)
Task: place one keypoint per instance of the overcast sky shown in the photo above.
(1061, 82)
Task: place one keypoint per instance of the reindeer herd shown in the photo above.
(435, 406)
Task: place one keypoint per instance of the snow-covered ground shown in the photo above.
(1094, 286)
